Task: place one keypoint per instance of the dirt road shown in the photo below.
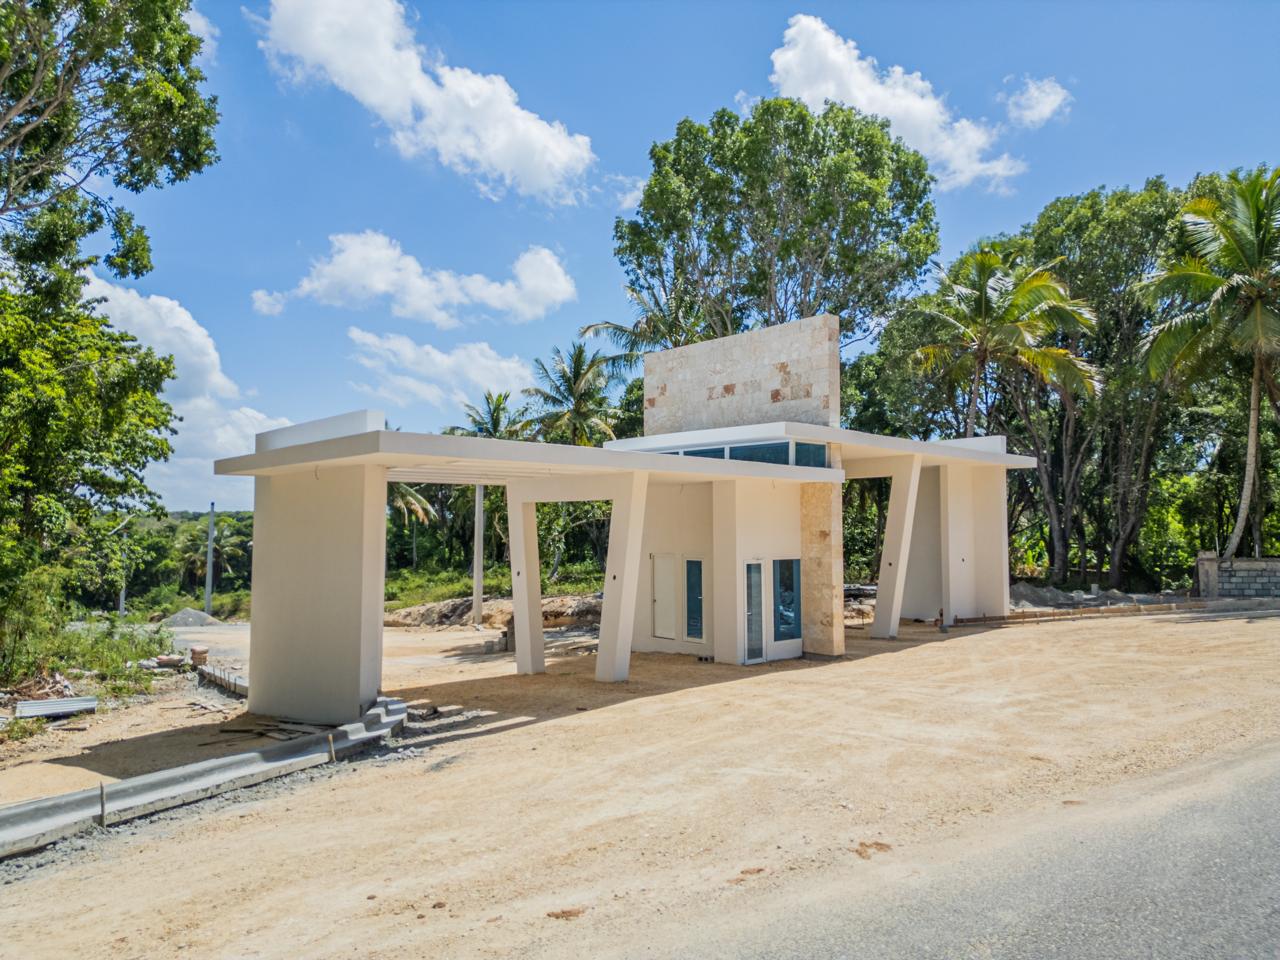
(593, 811)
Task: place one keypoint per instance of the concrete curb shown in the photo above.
(231, 682)
(37, 823)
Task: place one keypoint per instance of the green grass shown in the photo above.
(21, 729)
(104, 648)
(406, 588)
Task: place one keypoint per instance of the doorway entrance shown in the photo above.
(773, 627)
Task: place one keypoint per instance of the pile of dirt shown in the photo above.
(187, 617)
(497, 614)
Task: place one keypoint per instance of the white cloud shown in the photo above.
(362, 267)
(1037, 102)
(405, 370)
(630, 190)
(815, 64)
(215, 423)
(206, 30)
(472, 122)
(267, 303)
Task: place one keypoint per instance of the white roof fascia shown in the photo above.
(985, 452)
(458, 457)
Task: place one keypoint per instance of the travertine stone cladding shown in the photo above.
(789, 372)
(821, 569)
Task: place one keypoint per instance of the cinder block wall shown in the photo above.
(788, 372)
(1245, 577)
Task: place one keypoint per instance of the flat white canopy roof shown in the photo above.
(433, 458)
(854, 445)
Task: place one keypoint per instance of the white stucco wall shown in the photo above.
(922, 591)
(677, 522)
(319, 544)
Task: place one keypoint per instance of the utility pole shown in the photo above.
(124, 580)
(208, 566)
(477, 562)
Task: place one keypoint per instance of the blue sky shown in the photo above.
(416, 200)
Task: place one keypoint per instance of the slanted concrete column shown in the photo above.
(621, 578)
(821, 569)
(904, 474)
(526, 581)
(727, 588)
(319, 549)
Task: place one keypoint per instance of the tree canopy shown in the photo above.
(99, 91)
(774, 216)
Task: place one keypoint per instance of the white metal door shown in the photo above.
(664, 596)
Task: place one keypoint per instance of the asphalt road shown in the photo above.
(1186, 867)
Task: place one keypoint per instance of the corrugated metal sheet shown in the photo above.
(61, 707)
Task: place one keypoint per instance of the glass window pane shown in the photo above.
(715, 453)
(811, 454)
(693, 599)
(786, 599)
(755, 613)
(762, 453)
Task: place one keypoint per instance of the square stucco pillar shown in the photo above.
(821, 569)
(319, 550)
(621, 579)
(727, 590)
(904, 483)
(526, 582)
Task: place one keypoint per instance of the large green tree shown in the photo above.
(774, 216)
(99, 91)
(1230, 281)
(1104, 242)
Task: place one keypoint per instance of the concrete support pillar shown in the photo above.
(621, 579)
(821, 569)
(905, 482)
(319, 558)
(959, 568)
(727, 588)
(526, 581)
(1207, 565)
(989, 507)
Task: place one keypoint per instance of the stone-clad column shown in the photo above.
(821, 569)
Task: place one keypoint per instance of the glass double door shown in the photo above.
(773, 627)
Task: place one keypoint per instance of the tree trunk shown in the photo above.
(971, 418)
(477, 561)
(1250, 460)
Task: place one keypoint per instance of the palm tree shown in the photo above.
(409, 502)
(496, 419)
(228, 549)
(1230, 281)
(573, 403)
(998, 317)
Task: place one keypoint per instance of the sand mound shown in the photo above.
(186, 617)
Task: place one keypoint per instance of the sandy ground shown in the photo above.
(583, 813)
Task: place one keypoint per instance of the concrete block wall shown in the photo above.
(1244, 577)
(788, 372)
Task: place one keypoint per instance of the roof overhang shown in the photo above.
(854, 444)
(436, 458)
